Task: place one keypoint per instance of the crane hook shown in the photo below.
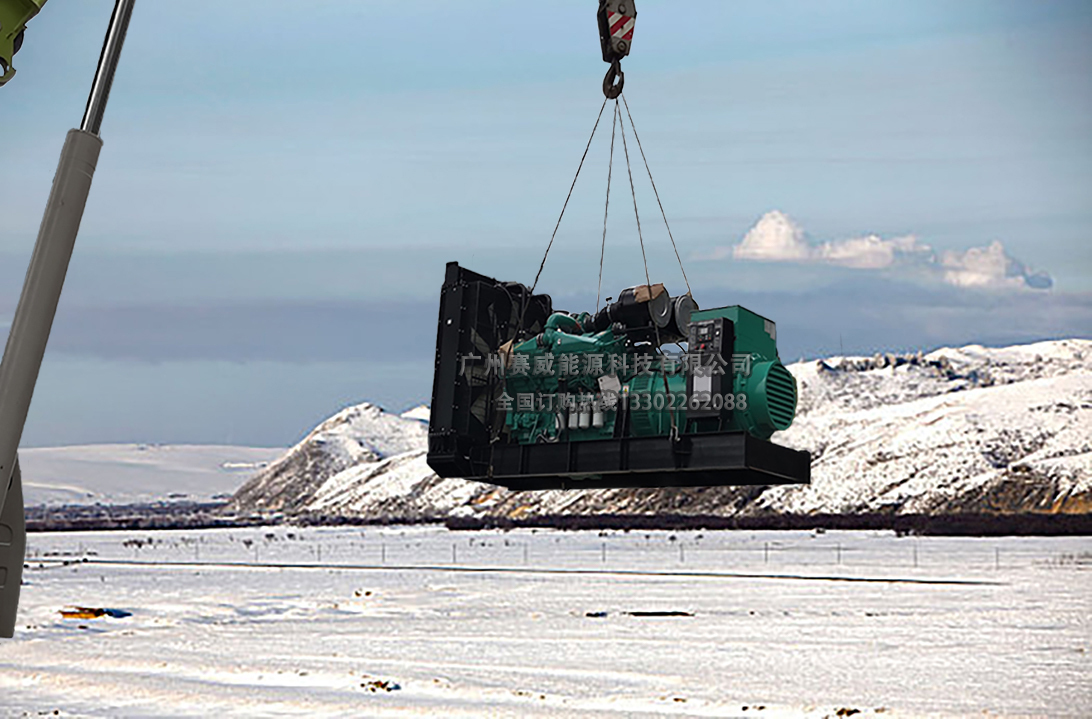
(614, 80)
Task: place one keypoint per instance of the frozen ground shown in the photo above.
(421, 621)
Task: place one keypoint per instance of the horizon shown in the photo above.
(406, 411)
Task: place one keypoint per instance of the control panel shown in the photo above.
(709, 371)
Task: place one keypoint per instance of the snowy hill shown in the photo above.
(361, 436)
(968, 429)
(134, 473)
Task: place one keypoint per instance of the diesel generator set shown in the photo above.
(532, 397)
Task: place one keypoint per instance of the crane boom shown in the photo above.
(37, 307)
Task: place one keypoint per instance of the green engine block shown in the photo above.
(577, 381)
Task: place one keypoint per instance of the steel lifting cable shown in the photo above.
(567, 197)
(606, 207)
(656, 192)
(648, 280)
(527, 298)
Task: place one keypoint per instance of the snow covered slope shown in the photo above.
(133, 473)
(964, 429)
(969, 429)
(363, 435)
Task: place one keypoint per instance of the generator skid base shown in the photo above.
(706, 460)
(618, 425)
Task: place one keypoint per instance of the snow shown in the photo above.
(496, 624)
(400, 481)
(134, 473)
(369, 428)
(365, 432)
(913, 454)
(358, 435)
(916, 437)
(421, 413)
(958, 429)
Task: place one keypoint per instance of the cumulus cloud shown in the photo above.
(990, 267)
(777, 238)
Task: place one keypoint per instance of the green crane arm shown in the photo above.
(14, 15)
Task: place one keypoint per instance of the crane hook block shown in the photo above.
(14, 15)
(616, 19)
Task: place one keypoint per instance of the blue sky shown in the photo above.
(279, 190)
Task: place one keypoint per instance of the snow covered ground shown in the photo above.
(419, 621)
(132, 473)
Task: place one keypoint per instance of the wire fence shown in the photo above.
(714, 551)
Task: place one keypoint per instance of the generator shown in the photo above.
(527, 396)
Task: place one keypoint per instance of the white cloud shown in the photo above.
(777, 238)
(990, 267)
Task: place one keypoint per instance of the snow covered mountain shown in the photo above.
(968, 429)
(360, 436)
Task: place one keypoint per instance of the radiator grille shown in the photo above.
(781, 396)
